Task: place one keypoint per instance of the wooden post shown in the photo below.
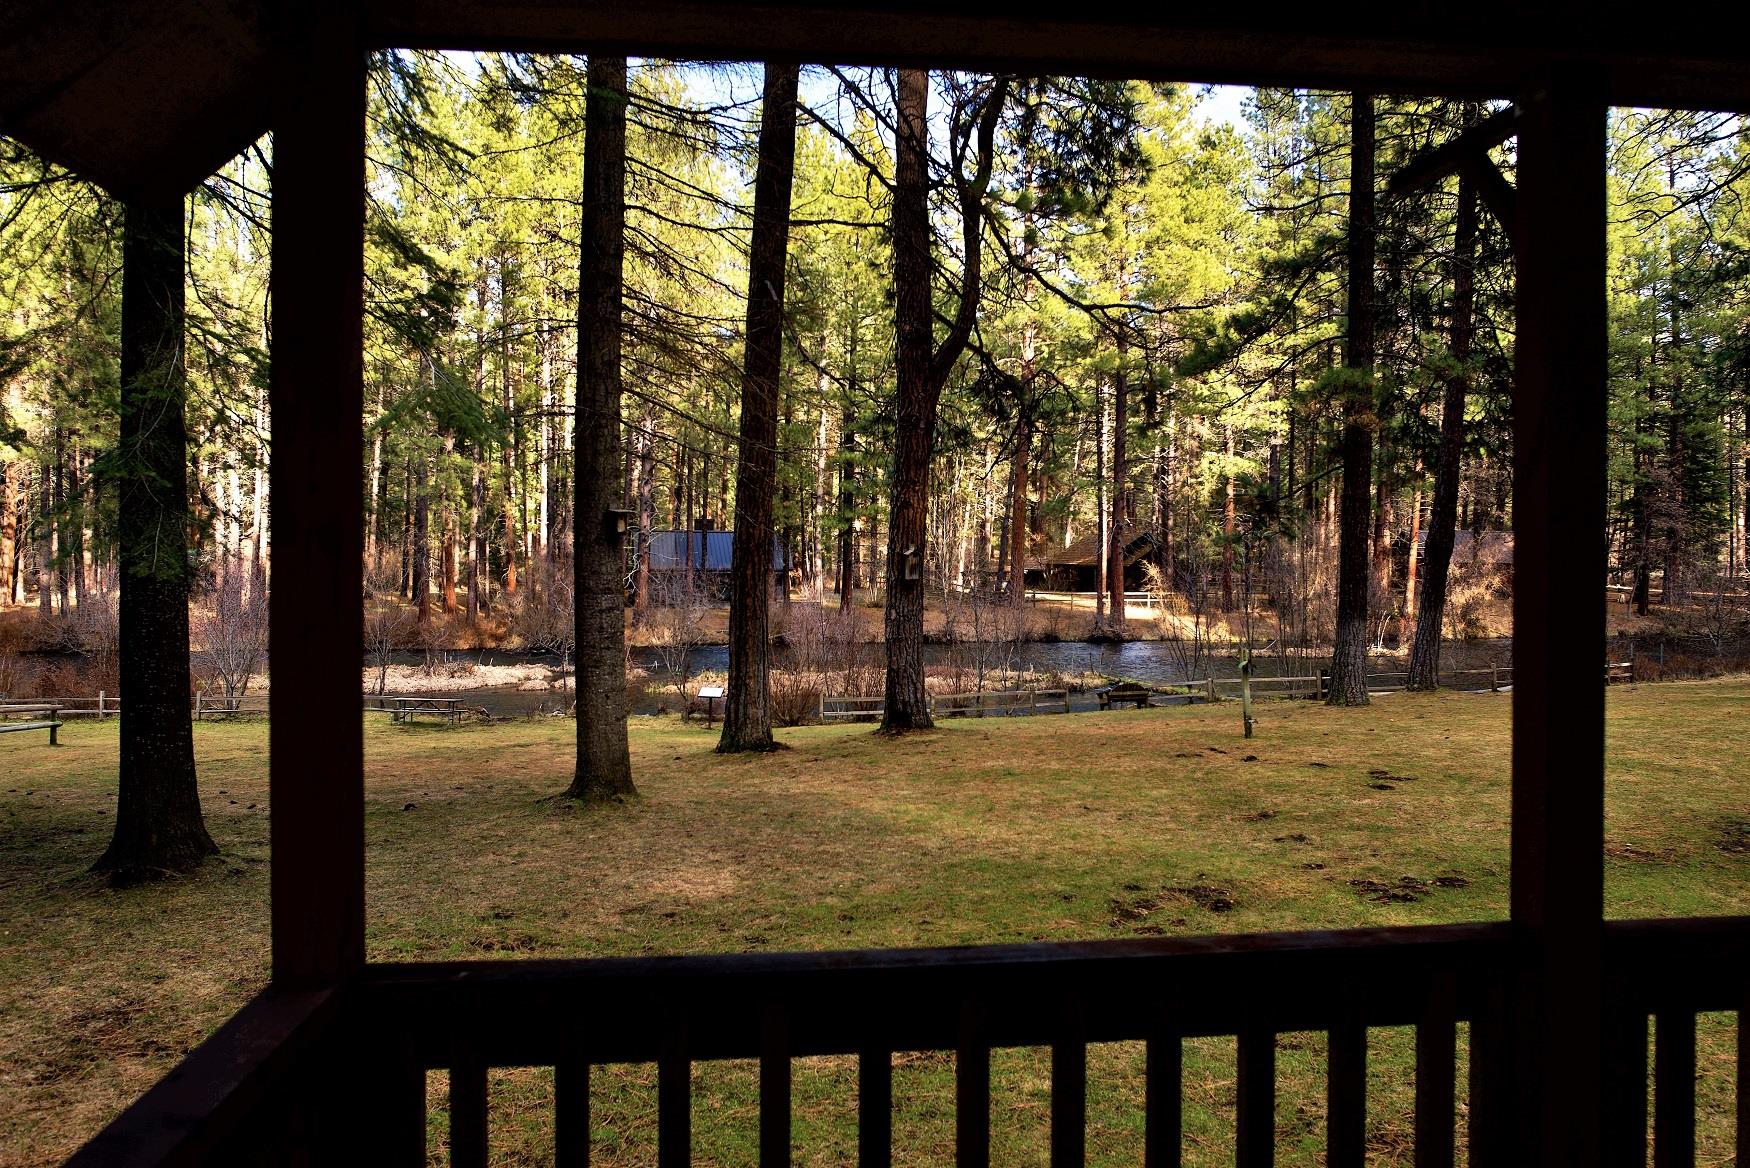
(1558, 730)
(1246, 690)
(315, 398)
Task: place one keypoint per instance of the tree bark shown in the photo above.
(478, 570)
(1227, 527)
(646, 514)
(604, 761)
(1349, 660)
(9, 527)
(1118, 532)
(1436, 562)
(922, 373)
(422, 540)
(747, 710)
(1017, 539)
(158, 824)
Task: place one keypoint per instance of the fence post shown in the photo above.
(1246, 690)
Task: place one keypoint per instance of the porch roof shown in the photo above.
(148, 97)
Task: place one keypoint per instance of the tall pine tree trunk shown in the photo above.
(422, 540)
(646, 514)
(1349, 660)
(604, 761)
(1436, 564)
(923, 367)
(1118, 532)
(747, 709)
(158, 824)
(1017, 539)
(905, 705)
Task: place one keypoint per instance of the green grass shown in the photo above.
(1085, 826)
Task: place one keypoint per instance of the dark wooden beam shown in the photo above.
(1430, 166)
(1384, 47)
(1496, 193)
(1558, 513)
(316, 740)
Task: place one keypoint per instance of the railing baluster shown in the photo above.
(1625, 1086)
(1489, 1069)
(1743, 1143)
(1069, 1099)
(1346, 1098)
(774, 1089)
(1674, 1090)
(674, 1104)
(1436, 1076)
(1256, 1125)
(1163, 1106)
(874, 1108)
(971, 1096)
(571, 1114)
(468, 1116)
(383, 1121)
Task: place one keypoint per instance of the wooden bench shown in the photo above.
(845, 707)
(52, 723)
(1124, 691)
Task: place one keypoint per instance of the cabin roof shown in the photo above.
(149, 97)
(713, 551)
(1085, 553)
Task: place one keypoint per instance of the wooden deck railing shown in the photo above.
(381, 1035)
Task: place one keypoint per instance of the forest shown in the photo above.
(1025, 336)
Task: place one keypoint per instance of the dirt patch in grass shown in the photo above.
(1734, 838)
(1405, 889)
(1135, 910)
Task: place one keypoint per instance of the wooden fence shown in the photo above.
(101, 706)
(849, 707)
(1011, 701)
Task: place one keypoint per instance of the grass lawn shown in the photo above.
(1079, 826)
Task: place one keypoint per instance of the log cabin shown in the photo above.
(328, 1065)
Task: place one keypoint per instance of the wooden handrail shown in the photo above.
(394, 1021)
(219, 1089)
(520, 1013)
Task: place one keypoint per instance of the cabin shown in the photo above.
(702, 557)
(328, 1064)
(1075, 567)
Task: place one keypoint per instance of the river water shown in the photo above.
(1156, 663)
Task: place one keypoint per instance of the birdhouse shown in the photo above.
(615, 524)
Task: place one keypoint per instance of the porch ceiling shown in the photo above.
(147, 97)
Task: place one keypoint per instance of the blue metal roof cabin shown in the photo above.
(711, 551)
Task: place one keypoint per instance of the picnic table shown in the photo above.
(1124, 691)
(403, 708)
